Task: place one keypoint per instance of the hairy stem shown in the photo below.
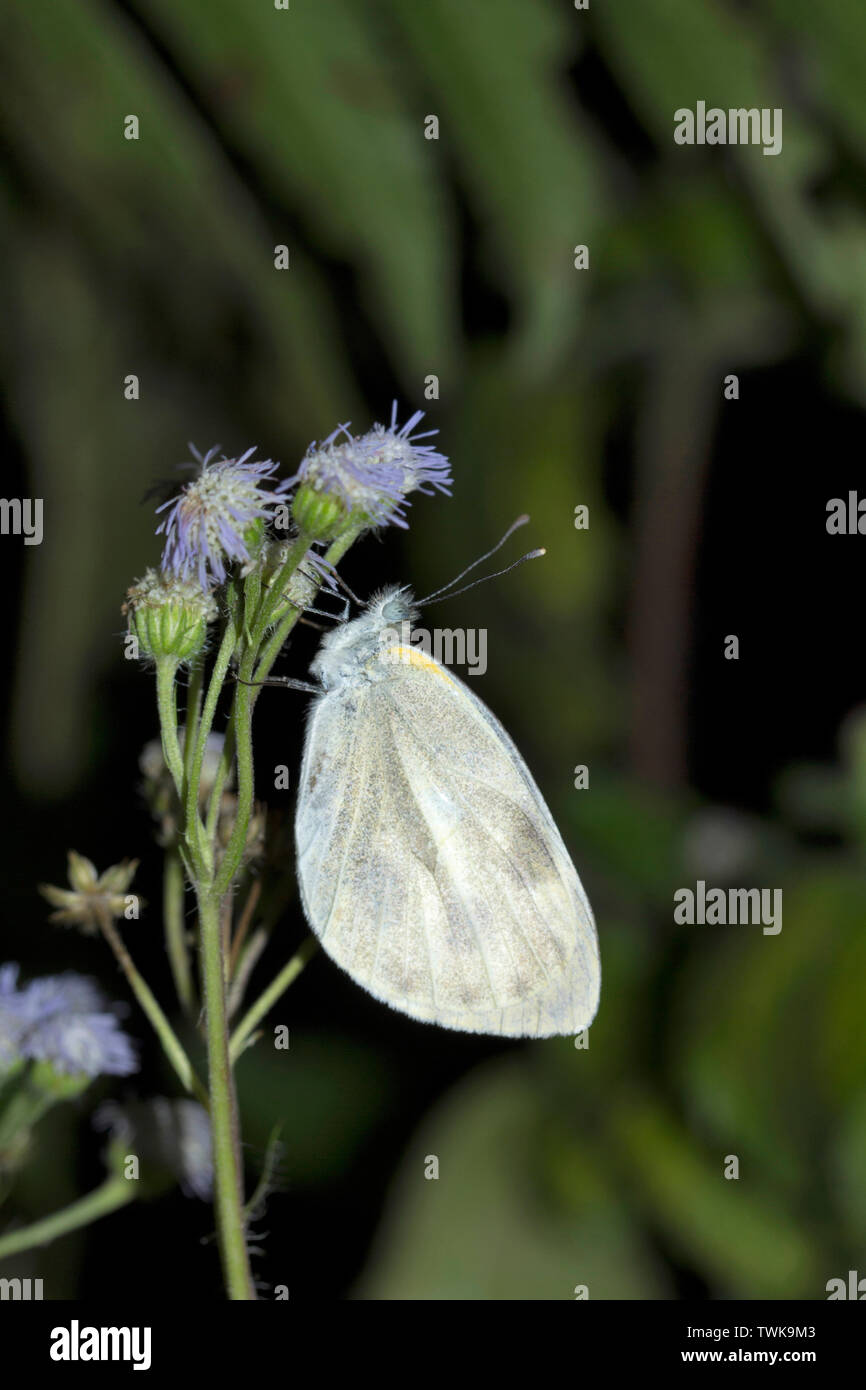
(166, 697)
(173, 886)
(197, 839)
(228, 1186)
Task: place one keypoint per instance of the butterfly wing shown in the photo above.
(430, 866)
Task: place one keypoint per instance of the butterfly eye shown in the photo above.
(393, 610)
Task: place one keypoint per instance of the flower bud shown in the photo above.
(169, 616)
(319, 515)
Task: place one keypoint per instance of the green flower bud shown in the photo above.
(319, 515)
(169, 616)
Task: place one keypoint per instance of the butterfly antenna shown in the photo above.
(521, 521)
(530, 555)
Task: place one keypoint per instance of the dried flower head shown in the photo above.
(217, 516)
(350, 479)
(63, 1020)
(91, 896)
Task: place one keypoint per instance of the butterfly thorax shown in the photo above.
(350, 655)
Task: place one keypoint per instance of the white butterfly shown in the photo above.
(430, 867)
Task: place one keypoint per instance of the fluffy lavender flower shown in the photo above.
(64, 1020)
(370, 475)
(204, 529)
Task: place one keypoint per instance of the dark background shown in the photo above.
(557, 387)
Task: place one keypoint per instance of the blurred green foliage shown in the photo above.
(559, 1167)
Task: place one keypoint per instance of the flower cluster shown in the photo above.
(218, 519)
(63, 1020)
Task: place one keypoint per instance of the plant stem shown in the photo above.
(244, 921)
(199, 843)
(269, 997)
(114, 1192)
(193, 707)
(228, 1190)
(173, 885)
(243, 739)
(171, 1044)
(166, 669)
(273, 594)
(223, 770)
(273, 646)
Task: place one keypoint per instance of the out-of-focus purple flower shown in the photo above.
(371, 474)
(205, 526)
(172, 1139)
(64, 1020)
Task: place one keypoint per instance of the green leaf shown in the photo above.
(518, 1211)
(735, 1232)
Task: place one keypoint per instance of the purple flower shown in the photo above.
(64, 1020)
(371, 474)
(204, 530)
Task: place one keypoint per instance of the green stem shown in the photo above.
(255, 633)
(171, 1044)
(228, 1190)
(115, 1192)
(245, 697)
(199, 843)
(166, 668)
(223, 770)
(274, 593)
(269, 997)
(243, 740)
(173, 886)
(273, 646)
(193, 707)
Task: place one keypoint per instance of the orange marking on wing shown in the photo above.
(412, 657)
